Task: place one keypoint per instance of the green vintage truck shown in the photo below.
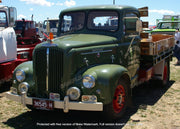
(93, 64)
(167, 25)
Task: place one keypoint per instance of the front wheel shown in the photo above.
(119, 99)
(117, 107)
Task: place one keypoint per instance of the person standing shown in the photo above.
(177, 46)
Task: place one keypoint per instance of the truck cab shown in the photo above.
(50, 25)
(92, 65)
(8, 45)
(7, 35)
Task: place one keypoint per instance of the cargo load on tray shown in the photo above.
(157, 44)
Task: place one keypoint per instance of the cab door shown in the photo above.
(132, 43)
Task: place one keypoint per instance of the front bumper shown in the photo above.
(66, 105)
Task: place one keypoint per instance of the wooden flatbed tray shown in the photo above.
(157, 44)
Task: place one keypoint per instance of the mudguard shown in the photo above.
(106, 79)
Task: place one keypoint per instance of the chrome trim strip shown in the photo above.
(49, 45)
(93, 52)
(47, 76)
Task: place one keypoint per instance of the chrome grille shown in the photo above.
(55, 70)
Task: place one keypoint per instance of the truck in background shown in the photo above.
(94, 64)
(8, 46)
(167, 25)
(50, 25)
(27, 38)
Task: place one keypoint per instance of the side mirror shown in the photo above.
(12, 16)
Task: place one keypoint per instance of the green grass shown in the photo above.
(175, 71)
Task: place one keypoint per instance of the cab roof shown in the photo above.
(99, 7)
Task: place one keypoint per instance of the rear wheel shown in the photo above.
(117, 107)
(166, 74)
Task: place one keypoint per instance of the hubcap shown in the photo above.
(119, 99)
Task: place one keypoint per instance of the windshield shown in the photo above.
(97, 20)
(18, 25)
(3, 19)
(169, 25)
(103, 20)
(27, 24)
(52, 23)
(73, 21)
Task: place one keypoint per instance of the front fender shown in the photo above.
(106, 79)
(27, 67)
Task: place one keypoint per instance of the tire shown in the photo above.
(34, 110)
(31, 108)
(118, 106)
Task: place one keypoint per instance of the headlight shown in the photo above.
(20, 75)
(74, 93)
(23, 87)
(88, 81)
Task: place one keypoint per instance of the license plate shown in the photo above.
(43, 104)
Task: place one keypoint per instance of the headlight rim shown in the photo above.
(78, 91)
(92, 78)
(23, 73)
(27, 87)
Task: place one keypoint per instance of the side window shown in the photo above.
(32, 25)
(130, 22)
(103, 20)
(3, 19)
(67, 22)
(27, 25)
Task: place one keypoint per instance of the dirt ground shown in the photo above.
(153, 108)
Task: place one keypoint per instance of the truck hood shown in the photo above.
(81, 40)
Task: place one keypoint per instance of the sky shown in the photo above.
(43, 9)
